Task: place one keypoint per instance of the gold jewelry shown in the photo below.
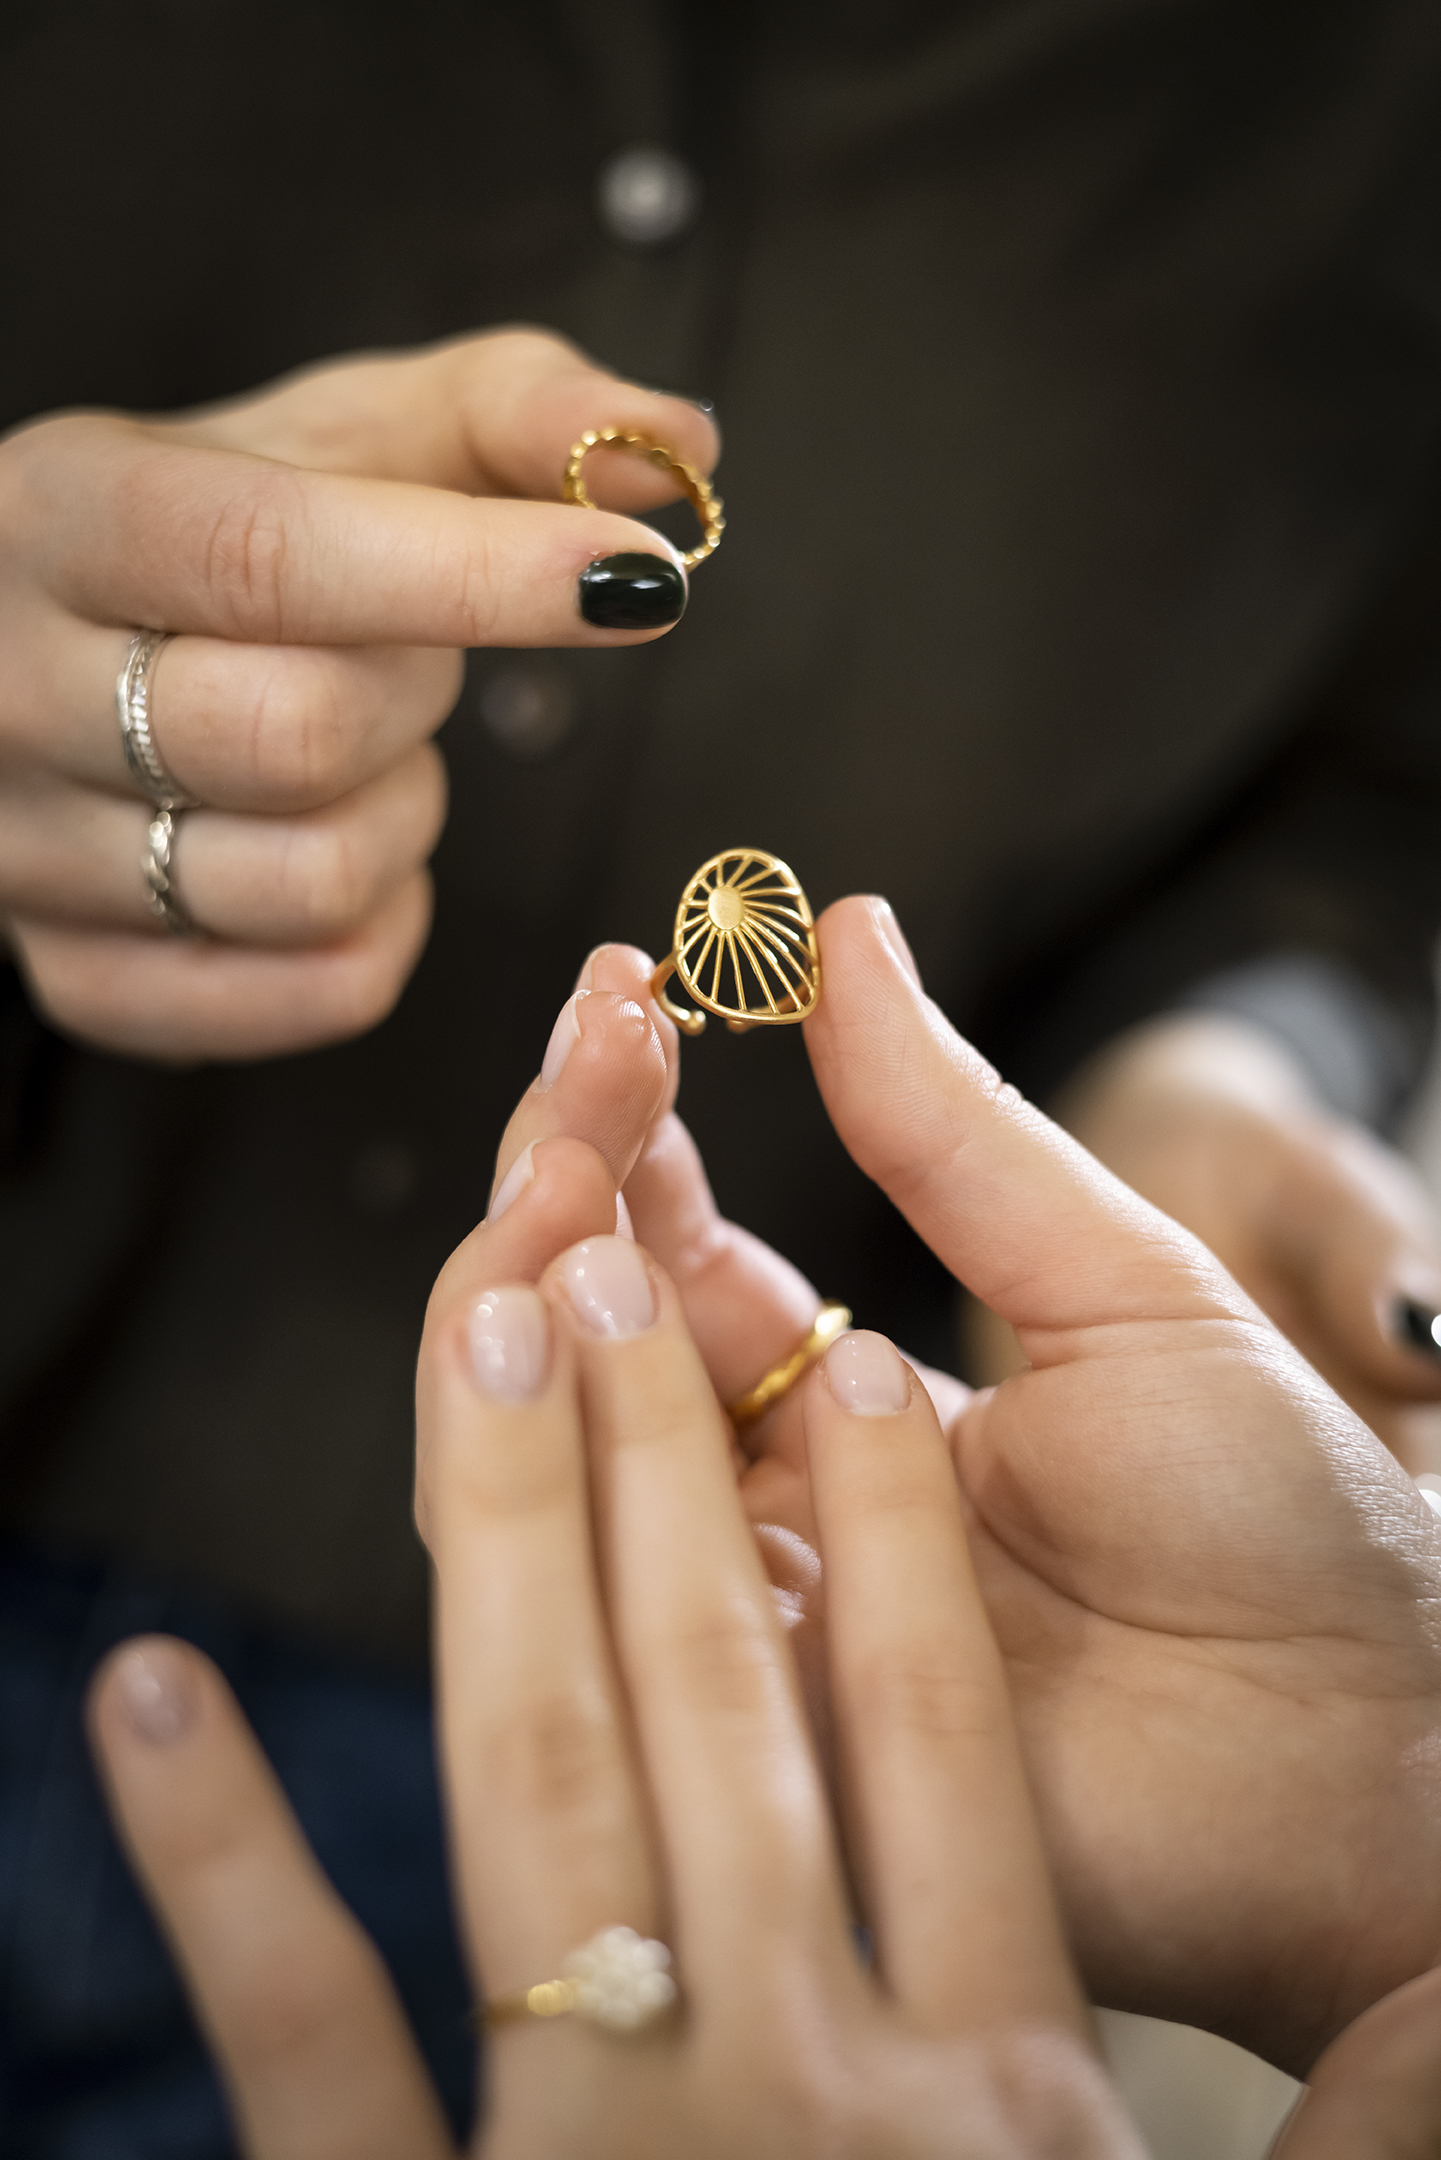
(743, 920)
(707, 505)
(832, 1320)
(616, 1980)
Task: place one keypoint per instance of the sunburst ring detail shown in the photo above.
(744, 945)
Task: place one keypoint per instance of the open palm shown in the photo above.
(1219, 1599)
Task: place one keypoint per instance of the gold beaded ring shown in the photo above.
(831, 1321)
(744, 946)
(707, 505)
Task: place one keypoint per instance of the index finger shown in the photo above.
(127, 528)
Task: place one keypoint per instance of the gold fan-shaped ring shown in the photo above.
(694, 485)
(745, 945)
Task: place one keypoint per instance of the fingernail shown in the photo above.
(585, 980)
(157, 1690)
(701, 404)
(632, 592)
(1429, 1488)
(609, 1287)
(513, 1184)
(867, 1375)
(895, 937)
(1418, 1326)
(563, 1038)
(510, 1345)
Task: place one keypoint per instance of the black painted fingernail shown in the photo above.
(632, 592)
(1419, 1327)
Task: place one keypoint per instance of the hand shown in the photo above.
(1330, 1231)
(324, 549)
(622, 1743)
(1214, 1591)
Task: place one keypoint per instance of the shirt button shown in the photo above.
(528, 710)
(646, 195)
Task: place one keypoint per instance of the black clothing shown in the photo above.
(1080, 368)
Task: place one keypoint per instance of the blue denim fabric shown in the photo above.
(99, 2057)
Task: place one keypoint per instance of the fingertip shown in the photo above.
(145, 1691)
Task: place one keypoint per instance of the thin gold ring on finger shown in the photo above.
(137, 733)
(744, 946)
(698, 491)
(618, 1980)
(832, 1320)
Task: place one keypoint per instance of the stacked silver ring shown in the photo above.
(148, 771)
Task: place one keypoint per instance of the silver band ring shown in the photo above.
(132, 703)
(159, 880)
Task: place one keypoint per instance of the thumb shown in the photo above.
(1014, 1207)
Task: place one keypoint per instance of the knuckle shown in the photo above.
(724, 1661)
(244, 552)
(555, 1756)
(300, 740)
(934, 1701)
(286, 2009)
(325, 880)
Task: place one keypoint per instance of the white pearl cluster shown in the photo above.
(619, 1980)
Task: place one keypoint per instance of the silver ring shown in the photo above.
(155, 866)
(132, 702)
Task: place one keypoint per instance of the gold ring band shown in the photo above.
(618, 1980)
(697, 490)
(832, 1320)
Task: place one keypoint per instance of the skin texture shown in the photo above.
(324, 550)
(631, 1744)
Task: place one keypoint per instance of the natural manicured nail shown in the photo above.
(609, 1287)
(632, 592)
(867, 1375)
(563, 1038)
(1418, 1326)
(513, 1184)
(1429, 1488)
(510, 1345)
(895, 937)
(157, 1691)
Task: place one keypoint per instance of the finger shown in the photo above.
(73, 855)
(942, 1828)
(497, 413)
(1018, 1211)
(243, 727)
(737, 1794)
(568, 1194)
(603, 1079)
(1357, 1244)
(1377, 2089)
(543, 1798)
(238, 547)
(184, 999)
(746, 1307)
(312, 2043)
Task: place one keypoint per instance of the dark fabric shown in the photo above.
(1080, 368)
(99, 2056)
